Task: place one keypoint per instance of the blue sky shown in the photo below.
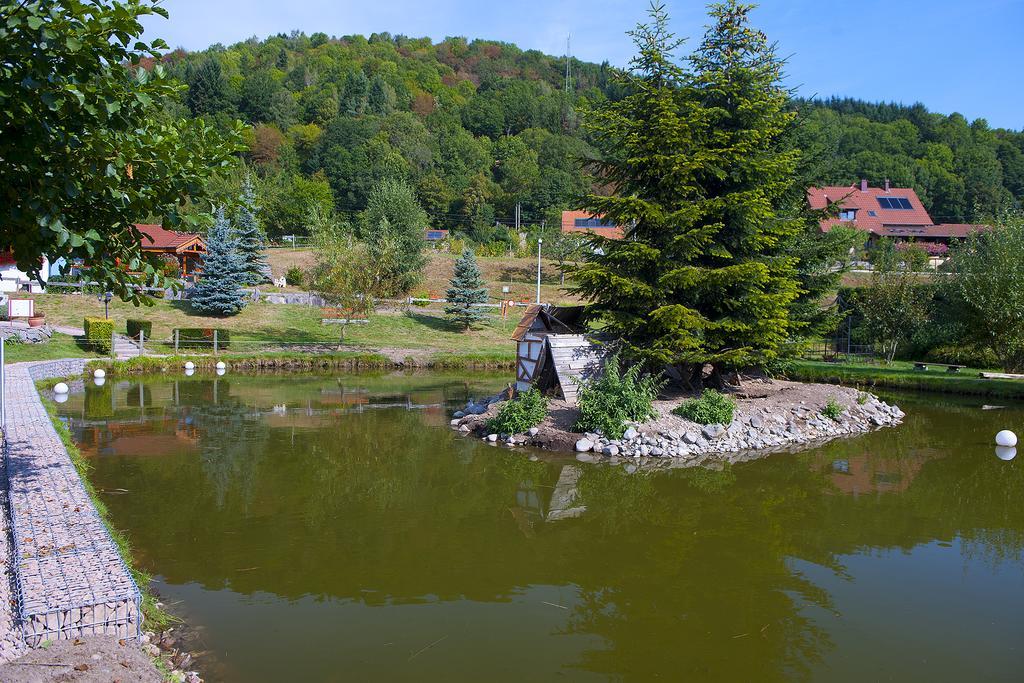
(952, 55)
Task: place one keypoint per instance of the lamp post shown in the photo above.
(105, 297)
(539, 242)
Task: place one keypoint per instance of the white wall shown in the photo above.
(12, 279)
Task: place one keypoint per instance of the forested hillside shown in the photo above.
(477, 127)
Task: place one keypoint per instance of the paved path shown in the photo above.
(68, 578)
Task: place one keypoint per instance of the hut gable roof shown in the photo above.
(553, 319)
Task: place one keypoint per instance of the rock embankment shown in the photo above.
(774, 415)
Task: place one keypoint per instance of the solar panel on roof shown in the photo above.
(895, 203)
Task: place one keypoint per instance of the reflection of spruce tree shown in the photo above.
(232, 442)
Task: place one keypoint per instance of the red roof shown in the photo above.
(870, 214)
(569, 219)
(154, 237)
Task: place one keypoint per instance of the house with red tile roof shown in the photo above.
(585, 221)
(886, 211)
(185, 247)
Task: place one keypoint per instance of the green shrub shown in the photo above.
(962, 355)
(295, 276)
(608, 402)
(713, 407)
(832, 409)
(133, 327)
(202, 338)
(420, 294)
(862, 398)
(519, 414)
(98, 333)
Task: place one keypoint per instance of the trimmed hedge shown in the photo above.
(202, 338)
(134, 326)
(98, 333)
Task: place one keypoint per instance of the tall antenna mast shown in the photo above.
(568, 60)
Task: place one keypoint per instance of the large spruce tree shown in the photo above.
(251, 245)
(466, 292)
(698, 175)
(219, 290)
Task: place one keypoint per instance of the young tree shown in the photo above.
(345, 274)
(986, 289)
(896, 304)
(700, 178)
(219, 290)
(393, 227)
(87, 148)
(565, 248)
(251, 245)
(466, 292)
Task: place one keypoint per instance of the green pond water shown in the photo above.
(329, 528)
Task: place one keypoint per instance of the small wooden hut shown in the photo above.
(552, 352)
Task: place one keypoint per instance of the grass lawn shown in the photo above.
(59, 346)
(518, 274)
(902, 375)
(262, 326)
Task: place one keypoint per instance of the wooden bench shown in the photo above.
(950, 367)
(999, 375)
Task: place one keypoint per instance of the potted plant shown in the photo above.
(38, 319)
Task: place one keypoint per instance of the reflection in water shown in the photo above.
(314, 525)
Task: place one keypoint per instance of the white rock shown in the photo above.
(492, 437)
(533, 431)
(629, 434)
(60, 388)
(221, 365)
(1003, 438)
(99, 373)
(189, 365)
(584, 445)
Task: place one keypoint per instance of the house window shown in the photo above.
(848, 215)
(592, 223)
(901, 203)
(873, 214)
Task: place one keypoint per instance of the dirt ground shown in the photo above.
(88, 660)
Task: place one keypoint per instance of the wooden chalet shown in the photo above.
(552, 353)
(187, 248)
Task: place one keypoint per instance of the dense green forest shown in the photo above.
(477, 127)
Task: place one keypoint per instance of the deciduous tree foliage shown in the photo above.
(86, 147)
(699, 177)
(986, 289)
(896, 304)
(393, 226)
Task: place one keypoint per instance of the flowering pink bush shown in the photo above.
(930, 248)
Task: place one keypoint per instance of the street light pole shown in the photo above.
(539, 242)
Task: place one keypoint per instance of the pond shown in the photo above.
(320, 528)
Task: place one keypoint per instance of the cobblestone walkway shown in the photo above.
(69, 579)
